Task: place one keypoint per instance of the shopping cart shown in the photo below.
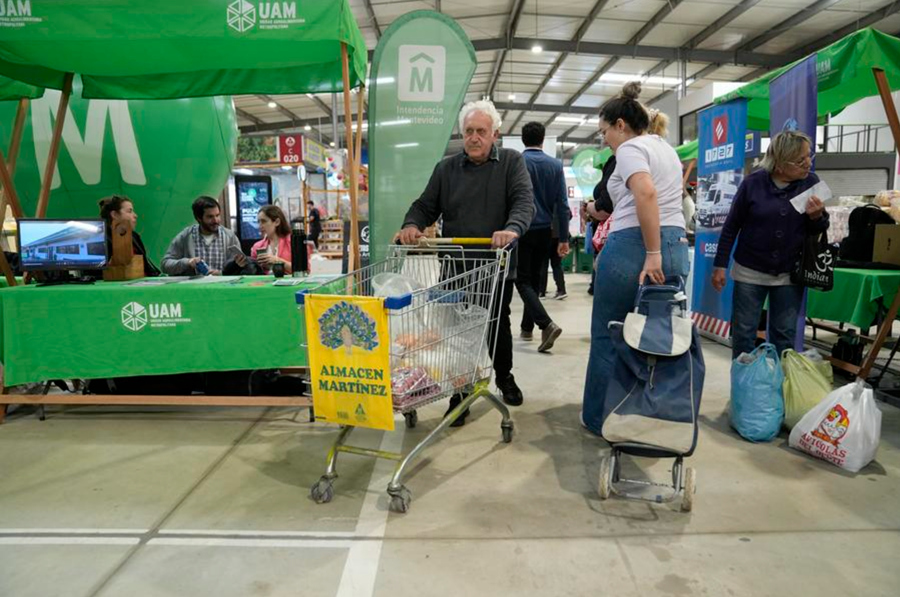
(443, 300)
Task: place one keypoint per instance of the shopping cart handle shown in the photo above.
(392, 303)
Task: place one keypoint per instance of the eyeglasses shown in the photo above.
(801, 163)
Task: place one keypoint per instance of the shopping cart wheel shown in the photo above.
(690, 488)
(412, 417)
(323, 491)
(400, 499)
(603, 485)
(507, 429)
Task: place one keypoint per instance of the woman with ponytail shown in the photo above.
(647, 241)
(118, 208)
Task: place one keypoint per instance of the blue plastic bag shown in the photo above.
(757, 401)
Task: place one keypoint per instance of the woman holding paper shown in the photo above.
(769, 218)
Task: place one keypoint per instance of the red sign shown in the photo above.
(290, 149)
(720, 130)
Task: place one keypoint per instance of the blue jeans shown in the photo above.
(784, 305)
(615, 288)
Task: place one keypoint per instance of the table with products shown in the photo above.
(156, 326)
(863, 298)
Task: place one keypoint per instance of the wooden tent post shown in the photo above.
(884, 90)
(47, 181)
(8, 194)
(687, 174)
(353, 245)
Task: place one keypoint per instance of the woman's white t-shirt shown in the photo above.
(653, 155)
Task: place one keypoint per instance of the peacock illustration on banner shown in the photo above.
(347, 325)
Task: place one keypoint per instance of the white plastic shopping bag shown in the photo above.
(844, 428)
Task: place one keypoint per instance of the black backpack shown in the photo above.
(860, 240)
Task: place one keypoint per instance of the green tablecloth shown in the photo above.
(856, 296)
(117, 330)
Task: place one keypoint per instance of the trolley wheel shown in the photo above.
(412, 417)
(323, 491)
(400, 500)
(507, 430)
(690, 488)
(603, 486)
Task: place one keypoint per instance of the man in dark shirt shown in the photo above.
(549, 183)
(483, 192)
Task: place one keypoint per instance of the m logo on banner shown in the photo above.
(720, 130)
(421, 71)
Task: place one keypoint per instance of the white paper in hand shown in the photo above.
(820, 190)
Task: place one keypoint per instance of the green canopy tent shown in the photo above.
(844, 76)
(162, 49)
(11, 90)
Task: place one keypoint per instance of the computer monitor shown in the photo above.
(60, 245)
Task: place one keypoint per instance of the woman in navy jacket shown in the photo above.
(769, 233)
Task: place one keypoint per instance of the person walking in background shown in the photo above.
(769, 233)
(647, 241)
(315, 223)
(549, 183)
(553, 260)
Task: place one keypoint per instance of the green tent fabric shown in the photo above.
(688, 151)
(160, 49)
(15, 90)
(685, 152)
(844, 72)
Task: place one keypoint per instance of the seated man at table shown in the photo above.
(206, 241)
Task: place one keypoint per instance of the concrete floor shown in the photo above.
(198, 501)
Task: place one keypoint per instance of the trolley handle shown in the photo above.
(462, 241)
(391, 303)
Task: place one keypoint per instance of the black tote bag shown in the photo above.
(816, 266)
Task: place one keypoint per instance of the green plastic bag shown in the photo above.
(808, 378)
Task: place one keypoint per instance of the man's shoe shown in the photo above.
(512, 395)
(560, 296)
(527, 336)
(548, 336)
(454, 402)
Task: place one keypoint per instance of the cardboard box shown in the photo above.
(887, 244)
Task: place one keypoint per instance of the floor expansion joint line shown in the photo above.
(102, 584)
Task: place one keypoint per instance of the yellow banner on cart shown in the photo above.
(350, 360)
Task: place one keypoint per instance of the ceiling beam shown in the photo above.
(661, 14)
(515, 13)
(549, 108)
(708, 32)
(291, 124)
(579, 34)
(785, 26)
(247, 115)
(322, 105)
(284, 111)
(372, 18)
(593, 48)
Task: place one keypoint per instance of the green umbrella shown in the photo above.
(156, 49)
(845, 75)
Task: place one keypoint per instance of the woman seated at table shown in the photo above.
(119, 208)
(771, 239)
(275, 246)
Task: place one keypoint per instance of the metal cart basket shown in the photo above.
(443, 301)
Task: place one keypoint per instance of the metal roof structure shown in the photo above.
(589, 48)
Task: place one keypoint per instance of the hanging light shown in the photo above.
(511, 97)
(307, 128)
(273, 105)
(536, 48)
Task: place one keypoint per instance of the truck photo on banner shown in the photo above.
(720, 171)
(420, 73)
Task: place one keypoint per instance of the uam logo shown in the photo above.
(17, 13)
(422, 70)
(720, 130)
(134, 316)
(242, 16)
